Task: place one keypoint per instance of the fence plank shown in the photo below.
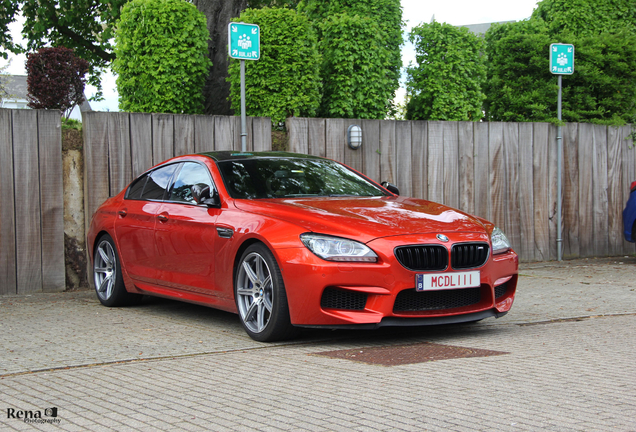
(388, 151)
(629, 175)
(571, 246)
(262, 133)
(614, 191)
(162, 137)
(526, 192)
(298, 130)
(203, 134)
(371, 148)
(552, 190)
(599, 190)
(586, 197)
(482, 173)
(451, 164)
(52, 200)
(541, 191)
(223, 133)
(119, 154)
(8, 281)
(498, 183)
(318, 137)
(28, 232)
(436, 161)
(466, 145)
(511, 161)
(96, 186)
(404, 158)
(140, 142)
(419, 151)
(183, 134)
(336, 139)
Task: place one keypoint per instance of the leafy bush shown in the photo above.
(55, 79)
(360, 42)
(521, 87)
(162, 63)
(356, 79)
(585, 17)
(284, 82)
(446, 83)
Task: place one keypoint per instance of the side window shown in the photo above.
(192, 173)
(158, 182)
(134, 191)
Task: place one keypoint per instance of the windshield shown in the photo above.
(287, 178)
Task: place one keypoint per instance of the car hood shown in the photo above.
(365, 219)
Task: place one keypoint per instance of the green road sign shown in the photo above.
(245, 41)
(562, 59)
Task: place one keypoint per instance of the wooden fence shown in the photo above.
(120, 146)
(31, 202)
(504, 172)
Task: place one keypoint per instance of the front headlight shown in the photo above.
(338, 249)
(500, 243)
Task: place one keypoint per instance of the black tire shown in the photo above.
(261, 300)
(109, 283)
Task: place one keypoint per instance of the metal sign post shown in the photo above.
(561, 63)
(244, 44)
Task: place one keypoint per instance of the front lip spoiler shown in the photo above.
(414, 322)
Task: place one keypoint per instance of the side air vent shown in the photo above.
(343, 299)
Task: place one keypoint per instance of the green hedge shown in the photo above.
(162, 63)
(447, 82)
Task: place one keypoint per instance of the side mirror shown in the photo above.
(201, 194)
(390, 187)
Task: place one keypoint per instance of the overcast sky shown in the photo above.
(456, 12)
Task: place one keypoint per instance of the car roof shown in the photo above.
(219, 156)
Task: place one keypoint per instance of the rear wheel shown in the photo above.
(109, 283)
(260, 296)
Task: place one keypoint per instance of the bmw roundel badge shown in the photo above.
(442, 237)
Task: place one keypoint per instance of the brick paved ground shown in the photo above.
(569, 365)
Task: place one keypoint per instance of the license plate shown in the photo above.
(445, 281)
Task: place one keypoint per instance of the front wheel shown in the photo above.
(109, 283)
(260, 296)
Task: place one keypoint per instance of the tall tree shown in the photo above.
(217, 89)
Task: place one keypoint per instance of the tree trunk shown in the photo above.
(218, 13)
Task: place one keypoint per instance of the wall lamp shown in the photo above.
(354, 137)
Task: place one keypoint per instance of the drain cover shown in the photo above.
(408, 354)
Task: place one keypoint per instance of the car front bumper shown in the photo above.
(341, 295)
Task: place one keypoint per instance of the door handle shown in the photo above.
(162, 218)
(122, 213)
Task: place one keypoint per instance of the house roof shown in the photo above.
(15, 86)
